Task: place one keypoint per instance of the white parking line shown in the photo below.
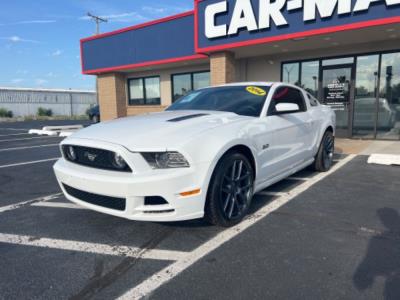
(13, 134)
(29, 162)
(273, 194)
(17, 129)
(158, 279)
(31, 138)
(29, 202)
(30, 147)
(103, 249)
(57, 205)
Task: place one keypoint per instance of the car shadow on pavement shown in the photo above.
(383, 257)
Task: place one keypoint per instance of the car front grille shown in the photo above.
(93, 157)
(95, 199)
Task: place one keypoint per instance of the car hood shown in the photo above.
(157, 131)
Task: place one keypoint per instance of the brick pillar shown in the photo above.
(222, 66)
(112, 96)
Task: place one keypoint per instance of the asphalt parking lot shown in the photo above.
(332, 235)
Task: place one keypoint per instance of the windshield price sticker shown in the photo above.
(256, 91)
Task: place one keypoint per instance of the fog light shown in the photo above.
(71, 153)
(118, 161)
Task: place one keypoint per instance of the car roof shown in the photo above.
(258, 83)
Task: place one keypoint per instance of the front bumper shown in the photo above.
(132, 187)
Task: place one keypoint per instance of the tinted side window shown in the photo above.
(287, 95)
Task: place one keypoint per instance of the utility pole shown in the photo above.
(98, 20)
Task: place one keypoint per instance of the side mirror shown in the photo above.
(283, 108)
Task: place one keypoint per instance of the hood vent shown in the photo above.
(187, 117)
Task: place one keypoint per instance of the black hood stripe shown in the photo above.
(187, 117)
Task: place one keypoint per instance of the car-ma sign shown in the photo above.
(237, 21)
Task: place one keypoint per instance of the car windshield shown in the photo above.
(241, 100)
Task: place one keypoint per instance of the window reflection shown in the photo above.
(152, 90)
(182, 84)
(136, 91)
(338, 61)
(201, 80)
(144, 91)
(310, 77)
(365, 96)
(291, 73)
(388, 126)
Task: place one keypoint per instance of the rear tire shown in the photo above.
(231, 190)
(95, 119)
(324, 158)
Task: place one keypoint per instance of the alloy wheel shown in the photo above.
(328, 150)
(236, 190)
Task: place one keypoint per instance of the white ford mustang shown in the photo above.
(205, 156)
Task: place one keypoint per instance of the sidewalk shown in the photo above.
(367, 147)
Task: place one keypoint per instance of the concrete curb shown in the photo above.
(384, 159)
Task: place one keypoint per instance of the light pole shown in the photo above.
(98, 20)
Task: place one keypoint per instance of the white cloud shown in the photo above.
(51, 75)
(41, 81)
(163, 10)
(34, 22)
(17, 39)
(30, 22)
(17, 80)
(58, 52)
(23, 72)
(154, 10)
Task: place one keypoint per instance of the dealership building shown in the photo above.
(344, 52)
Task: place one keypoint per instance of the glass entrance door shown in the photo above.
(338, 92)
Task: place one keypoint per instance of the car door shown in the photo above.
(293, 132)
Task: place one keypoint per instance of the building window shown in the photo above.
(144, 91)
(388, 120)
(338, 61)
(309, 77)
(184, 83)
(291, 73)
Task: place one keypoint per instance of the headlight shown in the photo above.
(70, 153)
(165, 160)
(118, 161)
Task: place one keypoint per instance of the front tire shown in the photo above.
(231, 190)
(95, 119)
(324, 158)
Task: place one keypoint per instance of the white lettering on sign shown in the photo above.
(272, 11)
(325, 8)
(212, 30)
(243, 16)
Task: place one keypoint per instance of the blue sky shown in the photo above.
(39, 40)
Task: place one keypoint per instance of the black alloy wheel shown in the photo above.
(324, 158)
(328, 149)
(231, 190)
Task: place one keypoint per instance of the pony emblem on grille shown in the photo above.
(90, 156)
